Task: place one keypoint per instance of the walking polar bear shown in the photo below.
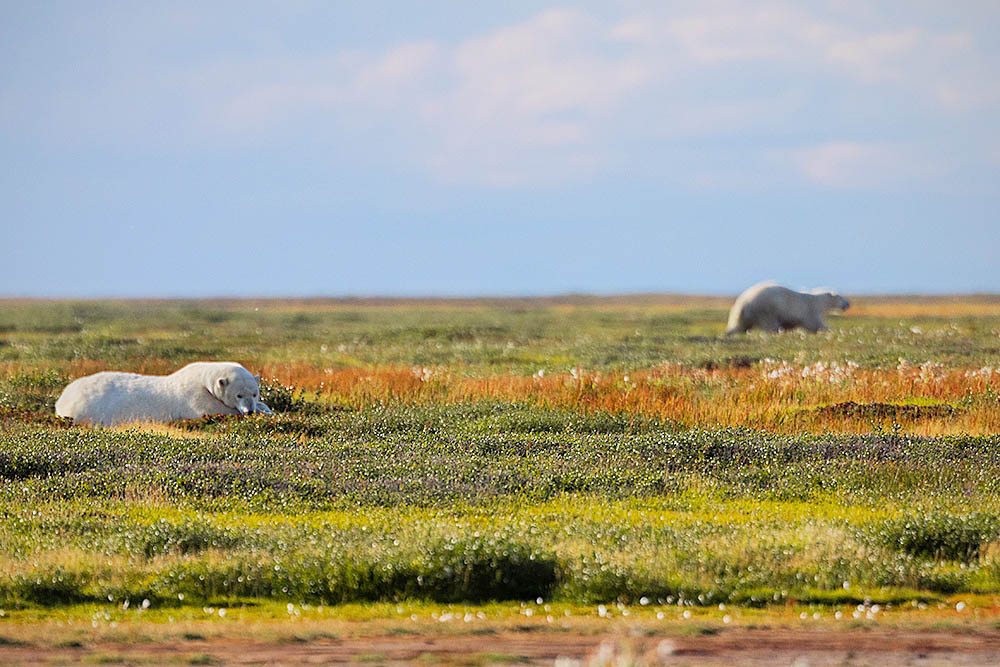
(771, 307)
(198, 389)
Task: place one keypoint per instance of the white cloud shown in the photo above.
(524, 103)
(843, 164)
(566, 94)
(734, 33)
(875, 57)
(398, 69)
(730, 33)
(519, 104)
(853, 164)
(266, 105)
(544, 67)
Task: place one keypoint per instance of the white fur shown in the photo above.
(771, 307)
(198, 389)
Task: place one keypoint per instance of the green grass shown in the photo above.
(520, 338)
(475, 501)
(450, 514)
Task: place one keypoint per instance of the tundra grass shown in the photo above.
(435, 503)
(505, 337)
(586, 454)
(656, 360)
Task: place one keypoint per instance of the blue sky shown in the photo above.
(441, 148)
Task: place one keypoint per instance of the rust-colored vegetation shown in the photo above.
(923, 399)
(661, 356)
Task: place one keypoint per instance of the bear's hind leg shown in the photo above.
(769, 324)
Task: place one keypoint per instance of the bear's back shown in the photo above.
(111, 397)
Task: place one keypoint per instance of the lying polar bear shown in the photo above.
(771, 307)
(198, 389)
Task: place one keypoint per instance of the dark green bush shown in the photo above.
(941, 536)
(485, 568)
(187, 537)
(293, 424)
(47, 586)
(595, 580)
(287, 398)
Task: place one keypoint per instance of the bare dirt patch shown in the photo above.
(772, 646)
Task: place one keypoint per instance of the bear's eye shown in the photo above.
(239, 395)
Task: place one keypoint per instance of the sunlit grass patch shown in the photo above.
(582, 549)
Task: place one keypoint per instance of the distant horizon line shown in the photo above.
(555, 297)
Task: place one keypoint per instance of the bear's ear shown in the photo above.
(223, 382)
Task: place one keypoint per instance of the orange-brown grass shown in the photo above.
(772, 396)
(775, 396)
(80, 367)
(926, 306)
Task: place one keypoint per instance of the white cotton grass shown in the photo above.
(830, 372)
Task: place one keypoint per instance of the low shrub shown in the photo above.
(287, 398)
(46, 586)
(941, 536)
(485, 568)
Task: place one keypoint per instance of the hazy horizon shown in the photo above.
(561, 297)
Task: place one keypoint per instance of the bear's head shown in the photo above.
(834, 301)
(239, 389)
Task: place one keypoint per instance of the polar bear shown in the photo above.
(198, 389)
(771, 307)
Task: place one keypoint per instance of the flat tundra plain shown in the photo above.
(596, 480)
